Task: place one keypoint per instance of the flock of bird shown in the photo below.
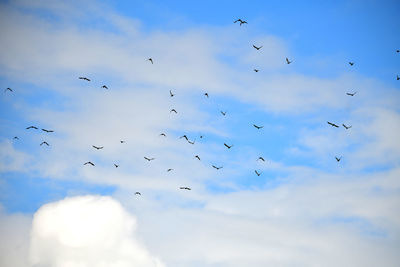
(258, 173)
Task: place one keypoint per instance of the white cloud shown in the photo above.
(90, 231)
(12, 159)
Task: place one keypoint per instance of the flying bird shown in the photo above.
(261, 158)
(215, 167)
(151, 60)
(351, 63)
(397, 77)
(197, 157)
(258, 127)
(170, 170)
(138, 193)
(258, 173)
(206, 94)
(288, 61)
(229, 147)
(332, 124)
(173, 110)
(258, 48)
(116, 166)
(15, 138)
(338, 159)
(185, 188)
(44, 143)
(347, 127)
(163, 134)
(104, 86)
(122, 141)
(89, 162)
(149, 159)
(351, 94)
(184, 136)
(223, 113)
(170, 93)
(397, 51)
(84, 78)
(241, 21)
(47, 131)
(8, 89)
(256, 70)
(98, 147)
(32, 127)
(190, 142)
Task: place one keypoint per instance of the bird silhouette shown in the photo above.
(332, 124)
(256, 70)
(185, 188)
(338, 159)
(206, 94)
(184, 136)
(15, 138)
(149, 159)
(98, 147)
(170, 170)
(215, 167)
(170, 93)
(89, 162)
(116, 166)
(122, 141)
(258, 173)
(197, 157)
(104, 86)
(261, 158)
(44, 143)
(173, 110)
(223, 113)
(288, 61)
(151, 60)
(241, 21)
(229, 147)
(8, 89)
(258, 127)
(347, 127)
(163, 134)
(351, 63)
(84, 78)
(258, 48)
(397, 77)
(32, 127)
(397, 51)
(47, 131)
(138, 193)
(191, 142)
(351, 94)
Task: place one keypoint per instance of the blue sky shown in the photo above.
(197, 48)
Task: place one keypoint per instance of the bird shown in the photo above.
(288, 61)
(138, 193)
(45, 143)
(241, 21)
(170, 170)
(351, 63)
(201, 136)
(258, 127)
(173, 110)
(98, 147)
(122, 141)
(15, 138)
(347, 127)
(170, 93)
(184, 136)
(397, 77)
(215, 167)
(116, 166)
(258, 173)
(223, 113)
(256, 70)
(84, 78)
(104, 86)
(149, 159)
(397, 51)
(163, 134)
(151, 60)
(206, 94)
(32, 127)
(185, 188)
(338, 159)
(332, 124)
(190, 142)
(351, 94)
(261, 158)
(8, 89)
(258, 48)
(47, 131)
(229, 147)
(89, 162)
(197, 157)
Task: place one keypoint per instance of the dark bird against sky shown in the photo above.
(47, 131)
(258, 48)
(89, 162)
(258, 127)
(84, 78)
(44, 143)
(332, 124)
(258, 173)
(347, 127)
(241, 21)
(351, 94)
(8, 89)
(288, 61)
(338, 159)
(215, 167)
(151, 60)
(98, 147)
(32, 127)
(229, 147)
(149, 159)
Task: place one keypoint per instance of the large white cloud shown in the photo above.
(87, 231)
